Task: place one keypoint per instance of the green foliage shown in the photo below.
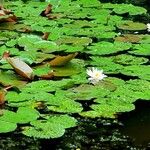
(111, 109)
(101, 35)
(44, 70)
(87, 92)
(9, 119)
(142, 71)
(54, 127)
(22, 116)
(7, 126)
(141, 49)
(129, 60)
(9, 78)
(129, 8)
(66, 106)
(47, 86)
(104, 48)
(73, 68)
(133, 26)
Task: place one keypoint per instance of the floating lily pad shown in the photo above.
(66, 106)
(129, 8)
(141, 49)
(43, 71)
(10, 119)
(12, 51)
(106, 64)
(95, 114)
(47, 86)
(49, 128)
(141, 71)
(112, 108)
(8, 78)
(88, 92)
(132, 26)
(88, 3)
(19, 99)
(75, 41)
(145, 39)
(104, 48)
(72, 68)
(7, 126)
(129, 38)
(128, 60)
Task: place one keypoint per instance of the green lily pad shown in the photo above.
(106, 63)
(47, 86)
(132, 26)
(88, 3)
(10, 119)
(129, 38)
(7, 126)
(50, 129)
(12, 51)
(129, 8)
(88, 92)
(141, 71)
(8, 78)
(140, 49)
(95, 114)
(72, 68)
(24, 97)
(104, 48)
(23, 115)
(128, 60)
(42, 70)
(74, 41)
(66, 106)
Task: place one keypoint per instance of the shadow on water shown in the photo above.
(136, 124)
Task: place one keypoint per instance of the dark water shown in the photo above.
(137, 123)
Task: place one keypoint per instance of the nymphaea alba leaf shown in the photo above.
(21, 67)
(62, 60)
(5, 54)
(47, 10)
(45, 35)
(2, 97)
(7, 15)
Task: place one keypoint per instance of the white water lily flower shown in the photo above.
(148, 27)
(95, 75)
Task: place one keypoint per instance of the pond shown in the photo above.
(74, 74)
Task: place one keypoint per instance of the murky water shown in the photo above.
(137, 123)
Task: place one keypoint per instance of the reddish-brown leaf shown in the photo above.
(62, 60)
(21, 67)
(47, 76)
(6, 54)
(45, 35)
(47, 10)
(2, 97)
(11, 17)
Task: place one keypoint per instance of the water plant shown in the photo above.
(68, 38)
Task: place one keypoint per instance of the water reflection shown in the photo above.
(137, 123)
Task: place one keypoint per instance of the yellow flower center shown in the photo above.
(97, 75)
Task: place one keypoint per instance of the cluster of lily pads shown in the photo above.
(44, 107)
